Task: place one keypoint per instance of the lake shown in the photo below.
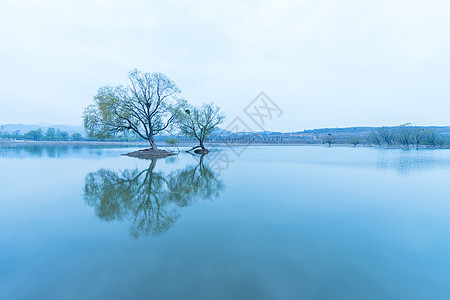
(263, 222)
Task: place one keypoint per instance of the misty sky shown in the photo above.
(325, 63)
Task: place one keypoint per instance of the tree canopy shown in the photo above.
(199, 122)
(145, 106)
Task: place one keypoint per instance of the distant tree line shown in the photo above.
(51, 134)
(407, 136)
(404, 135)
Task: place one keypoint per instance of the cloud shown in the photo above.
(327, 63)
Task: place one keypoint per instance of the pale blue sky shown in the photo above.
(325, 63)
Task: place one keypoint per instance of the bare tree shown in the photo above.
(144, 106)
(433, 139)
(199, 122)
(387, 135)
(419, 135)
(404, 135)
(374, 138)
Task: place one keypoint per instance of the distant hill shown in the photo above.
(220, 131)
(23, 128)
(356, 130)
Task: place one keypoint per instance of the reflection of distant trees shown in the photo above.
(149, 200)
(52, 151)
(37, 150)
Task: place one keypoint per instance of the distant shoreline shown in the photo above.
(213, 144)
(70, 143)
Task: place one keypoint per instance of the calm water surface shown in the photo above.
(274, 223)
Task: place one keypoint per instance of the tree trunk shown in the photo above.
(152, 144)
(199, 146)
(152, 165)
(193, 148)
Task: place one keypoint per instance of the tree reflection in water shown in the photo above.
(151, 201)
